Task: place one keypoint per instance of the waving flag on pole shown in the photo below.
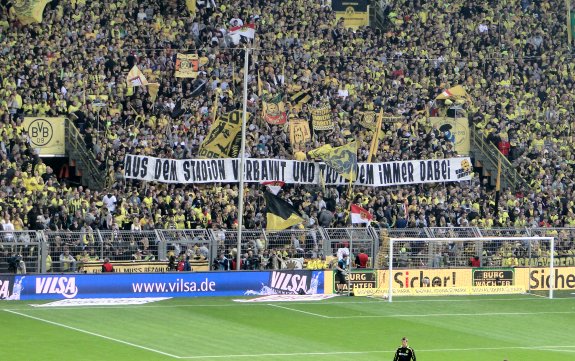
(136, 77)
(456, 92)
(280, 214)
(29, 11)
(342, 159)
(360, 215)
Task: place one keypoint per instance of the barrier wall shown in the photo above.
(425, 282)
(57, 287)
(539, 278)
(413, 282)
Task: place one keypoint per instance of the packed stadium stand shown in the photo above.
(512, 57)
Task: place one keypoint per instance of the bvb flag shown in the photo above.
(280, 214)
(153, 89)
(457, 92)
(187, 65)
(274, 111)
(221, 140)
(321, 118)
(367, 119)
(136, 77)
(299, 133)
(29, 11)
(301, 97)
(342, 159)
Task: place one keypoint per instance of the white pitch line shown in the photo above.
(531, 299)
(296, 310)
(536, 295)
(459, 314)
(545, 348)
(93, 334)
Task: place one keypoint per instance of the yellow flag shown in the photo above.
(29, 11)
(299, 133)
(136, 77)
(456, 92)
(321, 118)
(191, 5)
(375, 140)
(279, 213)
(300, 98)
(367, 119)
(342, 159)
(320, 152)
(219, 142)
(153, 89)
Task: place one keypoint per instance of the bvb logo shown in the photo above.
(22, 6)
(465, 165)
(40, 132)
(350, 10)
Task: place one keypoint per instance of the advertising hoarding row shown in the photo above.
(189, 284)
(362, 282)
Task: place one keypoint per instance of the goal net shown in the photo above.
(469, 266)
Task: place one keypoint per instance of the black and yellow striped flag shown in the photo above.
(297, 100)
(280, 214)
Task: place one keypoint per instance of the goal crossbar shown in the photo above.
(551, 240)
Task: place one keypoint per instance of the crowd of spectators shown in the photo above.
(511, 56)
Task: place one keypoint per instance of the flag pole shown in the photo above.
(498, 185)
(242, 159)
(215, 107)
(375, 140)
(569, 26)
(350, 260)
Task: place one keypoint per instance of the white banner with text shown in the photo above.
(225, 170)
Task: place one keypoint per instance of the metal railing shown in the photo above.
(490, 154)
(67, 251)
(76, 148)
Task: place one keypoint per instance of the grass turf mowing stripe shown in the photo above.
(449, 314)
(92, 333)
(318, 303)
(473, 349)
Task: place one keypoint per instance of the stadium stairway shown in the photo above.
(486, 156)
(92, 176)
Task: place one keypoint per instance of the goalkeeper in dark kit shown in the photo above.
(404, 352)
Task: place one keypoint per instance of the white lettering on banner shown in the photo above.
(4, 290)
(66, 286)
(286, 282)
(294, 172)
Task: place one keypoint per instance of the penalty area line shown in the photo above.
(93, 334)
(296, 310)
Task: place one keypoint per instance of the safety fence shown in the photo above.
(78, 251)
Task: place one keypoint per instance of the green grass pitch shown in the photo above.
(479, 328)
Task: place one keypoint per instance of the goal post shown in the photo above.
(469, 265)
